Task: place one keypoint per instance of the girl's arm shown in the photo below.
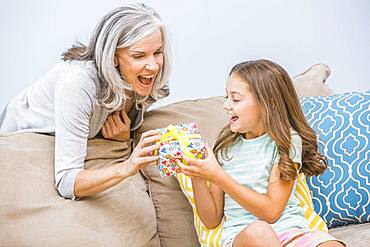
(267, 207)
(209, 202)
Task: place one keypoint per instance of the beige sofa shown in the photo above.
(144, 210)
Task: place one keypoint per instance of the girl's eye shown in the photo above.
(236, 100)
(137, 56)
(158, 52)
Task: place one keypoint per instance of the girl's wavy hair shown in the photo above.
(120, 28)
(278, 101)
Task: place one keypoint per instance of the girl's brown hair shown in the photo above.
(280, 111)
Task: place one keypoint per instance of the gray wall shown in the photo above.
(208, 38)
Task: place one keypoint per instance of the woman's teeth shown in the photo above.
(146, 80)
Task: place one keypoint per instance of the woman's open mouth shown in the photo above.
(146, 80)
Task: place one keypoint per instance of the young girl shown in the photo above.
(261, 151)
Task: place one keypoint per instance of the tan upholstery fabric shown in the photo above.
(312, 81)
(33, 214)
(174, 215)
(353, 235)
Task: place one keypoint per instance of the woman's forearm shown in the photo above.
(91, 182)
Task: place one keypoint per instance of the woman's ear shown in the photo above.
(115, 61)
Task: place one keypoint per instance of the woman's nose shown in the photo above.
(151, 64)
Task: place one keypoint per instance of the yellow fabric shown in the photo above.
(212, 237)
(303, 193)
(207, 237)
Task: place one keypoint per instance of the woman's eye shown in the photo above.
(137, 55)
(158, 52)
(236, 100)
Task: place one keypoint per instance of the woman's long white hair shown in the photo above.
(120, 28)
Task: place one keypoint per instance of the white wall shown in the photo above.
(208, 38)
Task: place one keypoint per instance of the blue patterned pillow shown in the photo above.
(342, 123)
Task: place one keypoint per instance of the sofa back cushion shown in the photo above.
(174, 213)
(33, 214)
(342, 123)
(312, 81)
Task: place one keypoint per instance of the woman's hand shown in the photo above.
(142, 155)
(208, 169)
(117, 126)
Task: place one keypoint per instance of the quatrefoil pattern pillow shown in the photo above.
(341, 195)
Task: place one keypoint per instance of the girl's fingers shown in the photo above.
(192, 174)
(186, 168)
(180, 164)
(186, 158)
(190, 161)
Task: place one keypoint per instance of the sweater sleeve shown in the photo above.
(74, 97)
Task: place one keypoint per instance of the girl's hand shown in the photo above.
(208, 169)
(142, 155)
(117, 126)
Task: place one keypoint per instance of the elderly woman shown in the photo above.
(104, 87)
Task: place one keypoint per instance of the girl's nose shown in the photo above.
(226, 105)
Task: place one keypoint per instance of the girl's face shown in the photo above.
(242, 108)
(140, 63)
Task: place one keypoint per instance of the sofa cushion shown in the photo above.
(312, 81)
(174, 214)
(353, 235)
(33, 214)
(342, 123)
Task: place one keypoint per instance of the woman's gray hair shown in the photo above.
(122, 27)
